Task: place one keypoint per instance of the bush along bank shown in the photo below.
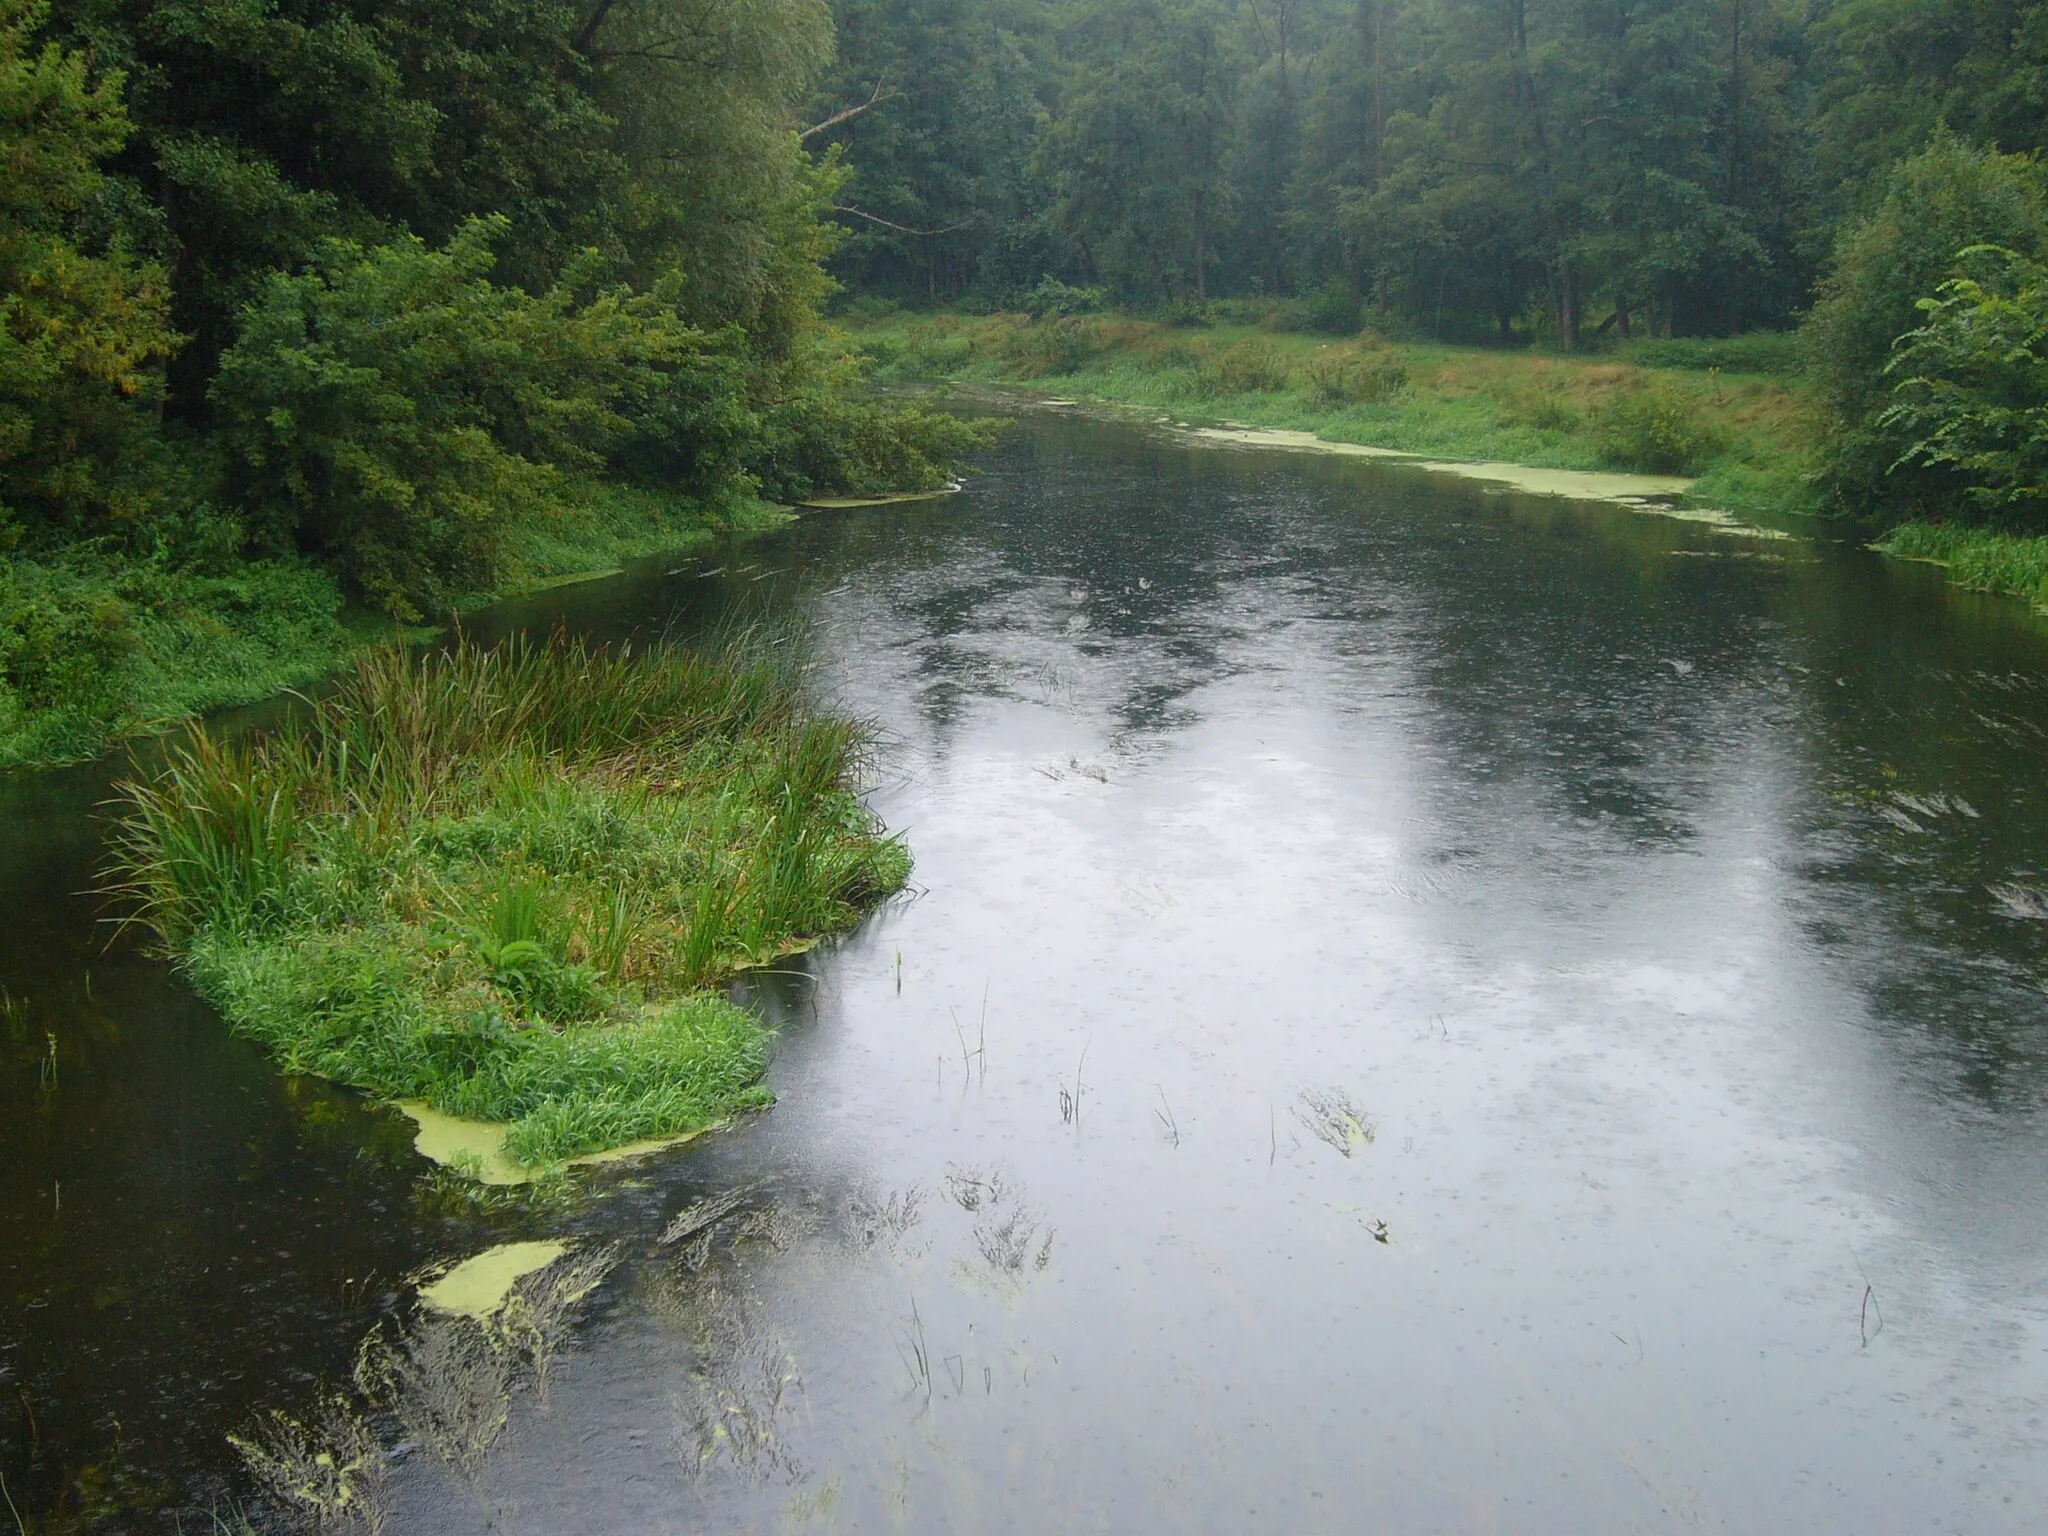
(100, 640)
(502, 882)
(1731, 414)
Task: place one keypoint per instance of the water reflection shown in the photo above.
(1426, 1008)
(1464, 1005)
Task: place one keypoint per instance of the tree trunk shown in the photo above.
(1568, 309)
(1621, 316)
(1734, 99)
(1201, 251)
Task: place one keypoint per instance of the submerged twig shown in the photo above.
(1870, 1304)
(19, 1524)
(1164, 1114)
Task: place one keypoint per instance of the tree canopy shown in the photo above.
(384, 278)
(1470, 165)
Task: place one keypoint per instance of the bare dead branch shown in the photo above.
(905, 229)
(851, 112)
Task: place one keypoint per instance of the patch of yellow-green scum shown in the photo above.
(479, 1286)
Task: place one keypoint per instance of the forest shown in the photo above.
(316, 311)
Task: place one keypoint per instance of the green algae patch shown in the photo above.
(1577, 484)
(479, 1286)
(501, 887)
(844, 503)
(472, 1147)
(1656, 495)
(476, 1148)
(1287, 437)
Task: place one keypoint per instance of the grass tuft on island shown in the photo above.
(504, 881)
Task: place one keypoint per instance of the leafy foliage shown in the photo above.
(400, 413)
(1935, 205)
(83, 333)
(1655, 430)
(392, 278)
(1971, 390)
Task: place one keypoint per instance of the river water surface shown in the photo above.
(1423, 1010)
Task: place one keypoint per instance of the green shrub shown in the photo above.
(400, 411)
(832, 441)
(932, 354)
(1332, 310)
(1949, 197)
(1055, 298)
(1250, 367)
(1655, 430)
(1050, 347)
(1538, 407)
(1188, 312)
(1769, 352)
(1353, 375)
(1970, 388)
(84, 334)
(865, 308)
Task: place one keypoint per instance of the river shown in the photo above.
(1422, 1008)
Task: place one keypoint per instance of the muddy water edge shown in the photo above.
(1429, 1008)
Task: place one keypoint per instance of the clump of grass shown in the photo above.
(500, 881)
(1656, 429)
(1063, 345)
(1342, 374)
(1253, 366)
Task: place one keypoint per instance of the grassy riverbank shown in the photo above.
(1976, 559)
(1733, 413)
(98, 642)
(502, 882)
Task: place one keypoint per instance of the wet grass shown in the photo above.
(1735, 416)
(1977, 558)
(504, 881)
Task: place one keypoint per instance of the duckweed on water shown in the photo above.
(479, 1286)
(502, 882)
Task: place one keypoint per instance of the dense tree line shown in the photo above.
(1557, 170)
(371, 281)
(1675, 165)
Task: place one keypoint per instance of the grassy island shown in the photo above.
(503, 882)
